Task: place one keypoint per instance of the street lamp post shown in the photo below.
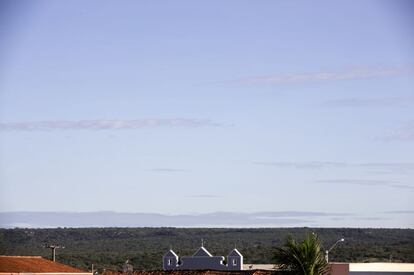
(332, 247)
(53, 248)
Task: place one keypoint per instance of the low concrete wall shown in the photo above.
(339, 268)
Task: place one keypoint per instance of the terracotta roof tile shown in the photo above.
(34, 264)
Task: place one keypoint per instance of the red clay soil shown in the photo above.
(33, 264)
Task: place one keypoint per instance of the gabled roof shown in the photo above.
(235, 252)
(202, 252)
(171, 253)
(34, 264)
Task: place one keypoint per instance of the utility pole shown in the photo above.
(53, 248)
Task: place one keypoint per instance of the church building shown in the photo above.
(202, 259)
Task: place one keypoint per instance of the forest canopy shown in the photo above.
(109, 248)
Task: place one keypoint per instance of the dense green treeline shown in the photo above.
(144, 247)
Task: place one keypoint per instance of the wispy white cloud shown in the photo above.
(370, 218)
(400, 212)
(379, 166)
(368, 182)
(204, 196)
(370, 102)
(357, 181)
(357, 73)
(302, 165)
(404, 133)
(167, 170)
(105, 124)
(403, 186)
(388, 165)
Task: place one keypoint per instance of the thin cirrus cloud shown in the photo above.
(382, 166)
(204, 196)
(302, 165)
(357, 182)
(369, 102)
(367, 182)
(400, 212)
(390, 166)
(404, 133)
(105, 124)
(370, 219)
(358, 73)
(403, 186)
(167, 170)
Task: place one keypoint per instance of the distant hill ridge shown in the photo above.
(122, 219)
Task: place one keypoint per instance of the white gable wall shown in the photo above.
(170, 261)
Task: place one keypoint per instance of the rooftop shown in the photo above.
(202, 252)
(34, 264)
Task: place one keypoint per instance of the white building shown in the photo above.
(202, 259)
(372, 268)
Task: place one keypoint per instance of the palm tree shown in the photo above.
(302, 258)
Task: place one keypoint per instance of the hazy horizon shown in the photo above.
(275, 219)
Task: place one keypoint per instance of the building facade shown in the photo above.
(372, 268)
(203, 260)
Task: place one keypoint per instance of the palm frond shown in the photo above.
(305, 258)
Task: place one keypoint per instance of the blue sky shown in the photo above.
(195, 107)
